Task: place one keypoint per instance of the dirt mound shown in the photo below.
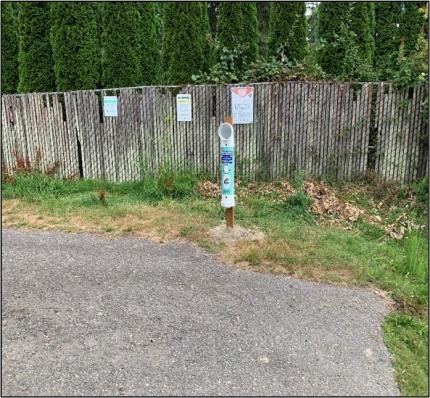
(231, 235)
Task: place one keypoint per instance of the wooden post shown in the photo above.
(229, 212)
(229, 217)
(229, 119)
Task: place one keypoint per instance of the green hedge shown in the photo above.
(186, 50)
(288, 29)
(75, 45)
(9, 49)
(36, 71)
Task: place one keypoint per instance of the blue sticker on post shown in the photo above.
(227, 170)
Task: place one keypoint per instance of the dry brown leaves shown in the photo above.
(282, 189)
(208, 189)
(327, 204)
(401, 226)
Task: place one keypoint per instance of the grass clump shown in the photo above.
(421, 191)
(415, 264)
(153, 187)
(36, 186)
(298, 203)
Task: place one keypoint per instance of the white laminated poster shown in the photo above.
(110, 106)
(242, 105)
(183, 107)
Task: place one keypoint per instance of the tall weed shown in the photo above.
(415, 263)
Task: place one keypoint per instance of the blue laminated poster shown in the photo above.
(227, 170)
(110, 106)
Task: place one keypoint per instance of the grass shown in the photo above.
(167, 206)
(411, 352)
(414, 263)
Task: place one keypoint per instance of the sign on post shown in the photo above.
(110, 106)
(242, 105)
(226, 135)
(183, 107)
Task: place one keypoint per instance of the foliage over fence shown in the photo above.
(337, 130)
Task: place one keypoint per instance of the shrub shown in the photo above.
(225, 70)
(271, 69)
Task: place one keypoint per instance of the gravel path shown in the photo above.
(85, 315)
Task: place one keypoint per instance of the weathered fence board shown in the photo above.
(323, 128)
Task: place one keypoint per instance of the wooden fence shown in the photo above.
(325, 129)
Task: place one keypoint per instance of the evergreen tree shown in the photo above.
(238, 29)
(410, 25)
(150, 54)
(362, 24)
(99, 8)
(206, 37)
(159, 12)
(288, 28)
(213, 15)
(333, 21)
(312, 24)
(396, 23)
(122, 45)
(185, 47)
(75, 45)
(9, 49)
(263, 13)
(372, 22)
(387, 16)
(35, 65)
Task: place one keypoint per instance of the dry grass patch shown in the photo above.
(247, 248)
(156, 223)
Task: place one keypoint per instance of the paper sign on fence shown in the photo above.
(183, 107)
(110, 105)
(242, 105)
